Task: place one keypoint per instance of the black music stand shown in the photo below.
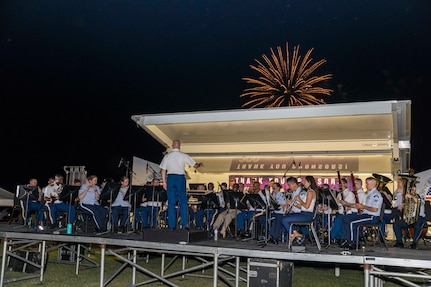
(26, 192)
(271, 205)
(156, 194)
(68, 195)
(237, 199)
(328, 199)
(256, 201)
(110, 191)
(134, 193)
(210, 202)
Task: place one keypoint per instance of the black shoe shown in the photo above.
(413, 246)
(298, 241)
(124, 229)
(398, 244)
(273, 240)
(349, 245)
(343, 243)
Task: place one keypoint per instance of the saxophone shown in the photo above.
(410, 212)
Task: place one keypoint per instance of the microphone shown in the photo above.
(293, 164)
(121, 162)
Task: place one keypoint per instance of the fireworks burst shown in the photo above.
(285, 82)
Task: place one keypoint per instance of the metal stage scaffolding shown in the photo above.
(214, 254)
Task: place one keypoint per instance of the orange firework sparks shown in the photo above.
(285, 82)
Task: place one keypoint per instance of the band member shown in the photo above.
(225, 217)
(154, 195)
(174, 182)
(121, 208)
(416, 201)
(214, 205)
(370, 214)
(31, 201)
(54, 204)
(89, 195)
(280, 198)
(304, 203)
(345, 199)
(245, 218)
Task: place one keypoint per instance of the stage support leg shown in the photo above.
(3, 261)
(42, 263)
(337, 270)
(102, 263)
(135, 254)
(162, 266)
(367, 268)
(77, 259)
(215, 270)
(238, 261)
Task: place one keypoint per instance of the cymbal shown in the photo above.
(381, 178)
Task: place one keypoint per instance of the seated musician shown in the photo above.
(54, 204)
(211, 212)
(246, 219)
(193, 203)
(120, 208)
(154, 195)
(418, 221)
(31, 201)
(140, 204)
(304, 202)
(225, 218)
(89, 195)
(370, 214)
(344, 198)
(280, 199)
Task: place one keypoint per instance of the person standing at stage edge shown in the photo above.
(174, 182)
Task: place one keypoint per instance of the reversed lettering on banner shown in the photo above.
(305, 164)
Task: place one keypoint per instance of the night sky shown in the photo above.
(72, 73)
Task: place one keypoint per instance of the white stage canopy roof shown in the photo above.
(360, 128)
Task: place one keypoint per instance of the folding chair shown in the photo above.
(310, 225)
(372, 231)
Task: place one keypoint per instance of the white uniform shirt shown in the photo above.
(374, 199)
(349, 197)
(175, 161)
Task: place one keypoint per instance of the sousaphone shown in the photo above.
(382, 181)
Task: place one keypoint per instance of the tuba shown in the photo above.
(382, 181)
(410, 212)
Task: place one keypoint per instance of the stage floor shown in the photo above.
(422, 253)
(402, 261)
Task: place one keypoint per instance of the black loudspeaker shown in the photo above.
(174, 236)
(18, 265)
(269, 273)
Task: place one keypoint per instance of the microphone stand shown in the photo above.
(292, 163)
(129, 173)
(236, 215)
(152, 196)
(267, 219)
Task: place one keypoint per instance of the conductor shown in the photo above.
(174, 182)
